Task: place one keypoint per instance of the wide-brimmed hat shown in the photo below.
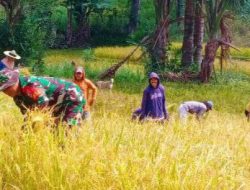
(8, 78)
(12, 54)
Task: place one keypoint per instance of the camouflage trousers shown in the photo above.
(70, 107)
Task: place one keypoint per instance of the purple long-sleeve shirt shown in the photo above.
(153, 101)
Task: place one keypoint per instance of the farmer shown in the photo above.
(194, 107)
(64, 98)
(88, 88)
(9, 60)
(247, 111)
(153, 102)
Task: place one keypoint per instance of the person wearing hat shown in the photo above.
(153, 106)
(247, 111)
(89, 89)
(64, 98)
(194, 107)
(9, 60)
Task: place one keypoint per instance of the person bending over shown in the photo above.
(64, 98)
(194, 107)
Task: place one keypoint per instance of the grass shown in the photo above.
(111, 152)
(114, 153)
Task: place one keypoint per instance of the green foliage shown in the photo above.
(31, 36)
(244, 11)
(4, 35)
(108, 25)
(88, 54)
(128, 77)
(63, 70)
(59, 18)
(231, 78)
(215, 11)
(146, 20)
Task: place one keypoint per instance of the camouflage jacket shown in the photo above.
(47, 91)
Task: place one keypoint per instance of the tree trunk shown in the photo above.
(208, 61)
(82, 35)
(188, 39)
(198, 32)
(226, 37)
(134, 16)
(159, 49)
(180, 8)
(69, 25)
(13, 11)
(159, 41)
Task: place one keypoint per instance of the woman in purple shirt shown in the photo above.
(153, 102)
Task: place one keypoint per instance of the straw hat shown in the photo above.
(12, 54)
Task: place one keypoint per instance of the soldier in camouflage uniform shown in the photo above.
(65, 98)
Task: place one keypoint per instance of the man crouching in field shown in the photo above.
(153, 102)
(194, 107)
(64, 98)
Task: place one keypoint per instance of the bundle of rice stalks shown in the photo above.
(25, 71)
(37, 120)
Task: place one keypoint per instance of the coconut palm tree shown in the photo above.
(215, 10)
(180, 8)
(188, 38)
(69, 34)
(134, 16)
(159, 40)
(198, 31)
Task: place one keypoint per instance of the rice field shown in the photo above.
(112, 152)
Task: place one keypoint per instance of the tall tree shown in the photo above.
(199, 26)
(188, 38)
(159, 40)
(226, 36)
(69, 33)
(180, 10)
(134, 16)
(215, 10)
(82, 10)
(13, 10)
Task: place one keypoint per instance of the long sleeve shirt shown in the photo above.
(89, 90)
(198, 108)
(154, 103)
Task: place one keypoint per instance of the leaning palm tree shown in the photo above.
(215, 10)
